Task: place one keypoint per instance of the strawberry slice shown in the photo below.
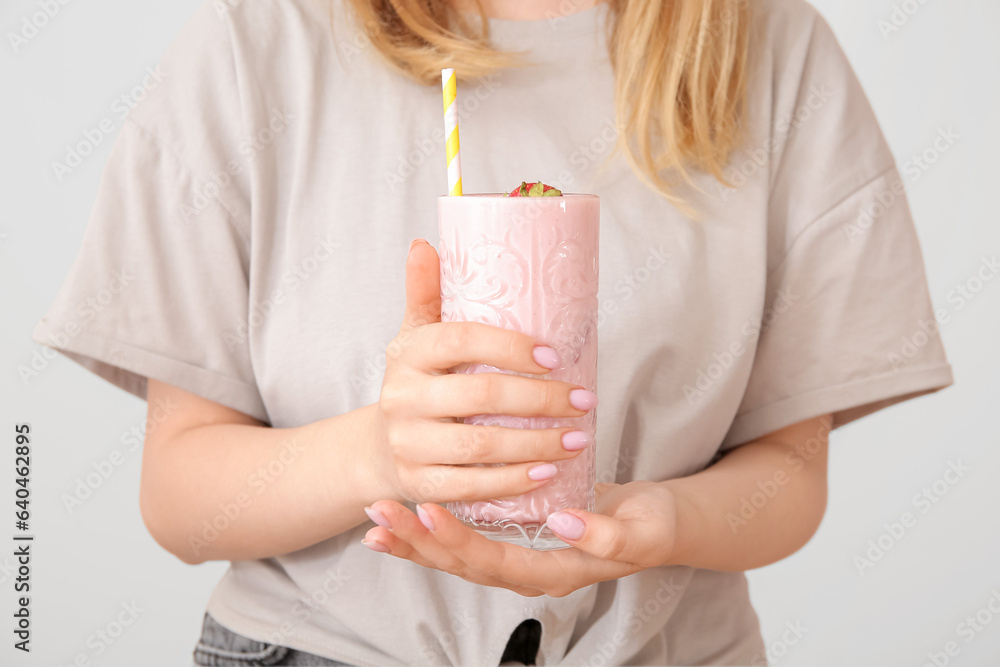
(536, 189)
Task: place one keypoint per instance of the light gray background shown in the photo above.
(938, 71)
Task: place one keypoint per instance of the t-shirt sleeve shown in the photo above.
(848, 327)
(160, 287)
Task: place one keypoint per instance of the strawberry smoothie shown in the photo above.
(527, 261)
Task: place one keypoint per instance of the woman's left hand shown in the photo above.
(633, 529)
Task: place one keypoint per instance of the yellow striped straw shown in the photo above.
(450, 86)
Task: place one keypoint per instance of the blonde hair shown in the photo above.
(680, 73)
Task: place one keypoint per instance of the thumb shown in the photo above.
(644, 541)
(423, 286)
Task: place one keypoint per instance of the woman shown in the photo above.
(759, 268)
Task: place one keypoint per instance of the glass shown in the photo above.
(529, 264)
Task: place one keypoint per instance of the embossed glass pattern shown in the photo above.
(528, 264)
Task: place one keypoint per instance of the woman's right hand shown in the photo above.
(421, 450)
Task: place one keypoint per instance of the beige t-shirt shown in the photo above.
(257, 209)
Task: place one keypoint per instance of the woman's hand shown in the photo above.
(633, 529)
(697, 521)
(421, 451)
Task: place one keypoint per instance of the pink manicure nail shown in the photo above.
(581, 399)
(376, 546)
(575, 440)
(566, 525)
(425, 518)
(546, 356)
(377, 517)
(544, 471)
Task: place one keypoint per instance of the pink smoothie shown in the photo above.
(529, 264)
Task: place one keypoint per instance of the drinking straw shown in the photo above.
(450, 85)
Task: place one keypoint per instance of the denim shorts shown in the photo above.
(221, 647)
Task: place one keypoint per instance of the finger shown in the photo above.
(433, 442)
(630, 542)
(444, 345)
(422, 546)
(385, 542)
(423, 286)
(467, 394)
(445, 483)
(557, 573)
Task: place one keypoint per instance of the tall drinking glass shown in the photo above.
(529, 264)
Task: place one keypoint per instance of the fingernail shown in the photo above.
(566, 525)
(546, 356)
(544, 471)
(414, 242)
(581, 399)
(574, 440)
(425, 518)
(376, 546)
(377, 517)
